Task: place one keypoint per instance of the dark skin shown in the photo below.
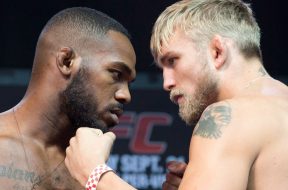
(33, 139)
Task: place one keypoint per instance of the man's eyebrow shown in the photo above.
(163, 58)
(122, 66)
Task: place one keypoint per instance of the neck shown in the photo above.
(254, 81)
(239, 80)
(44, 122)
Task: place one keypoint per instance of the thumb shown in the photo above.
(110, 136)
(109, 139)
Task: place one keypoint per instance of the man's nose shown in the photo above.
(168, 79)
(123, 94)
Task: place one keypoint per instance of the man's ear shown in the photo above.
(219, 51)
(65, 59)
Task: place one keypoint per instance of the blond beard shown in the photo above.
(192, 106)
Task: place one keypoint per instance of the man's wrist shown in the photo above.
(95, 176)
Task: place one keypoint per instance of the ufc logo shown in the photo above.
(139, 129)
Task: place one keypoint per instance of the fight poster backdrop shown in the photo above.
(149, 134)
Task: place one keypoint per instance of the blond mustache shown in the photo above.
(175, 92)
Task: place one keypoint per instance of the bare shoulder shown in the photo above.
(219, 142)
(260, 112)
(215, 117)
(9, 138)
(247, 117)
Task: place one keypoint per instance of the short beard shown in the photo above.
(79, 104)
(191, 109)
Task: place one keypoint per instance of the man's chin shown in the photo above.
(190, 121)
(111, 127)
(106, 126)
(97, 125)
(102, 128)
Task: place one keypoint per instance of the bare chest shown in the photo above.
(21, 178)
(33, 168)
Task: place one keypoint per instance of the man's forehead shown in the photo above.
(168, 44)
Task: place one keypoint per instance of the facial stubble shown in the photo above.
(80, 104)
(191, 109)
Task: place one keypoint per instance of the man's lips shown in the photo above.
(117, 111)
(177, 98)
(115, 114)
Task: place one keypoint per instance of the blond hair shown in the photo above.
(202, 19)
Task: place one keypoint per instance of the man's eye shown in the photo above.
(116, 74)
(171, 61)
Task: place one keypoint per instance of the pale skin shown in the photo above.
(240, 141)
(87, 139)
(33, 139)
